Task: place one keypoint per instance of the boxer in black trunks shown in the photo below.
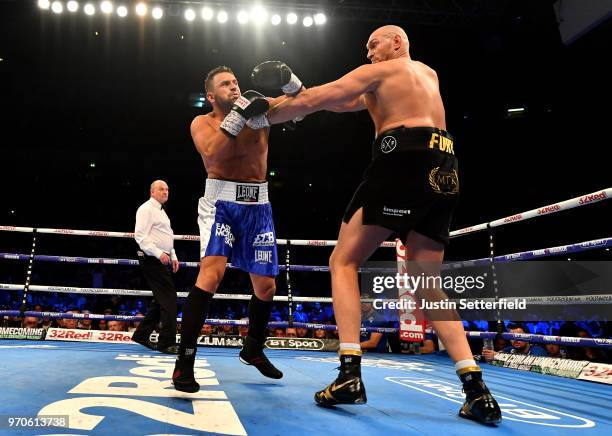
(411, 187)
(412, 183)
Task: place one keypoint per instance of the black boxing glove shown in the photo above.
(248, 105)
(276, 74)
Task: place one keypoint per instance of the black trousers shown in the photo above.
(163, 307)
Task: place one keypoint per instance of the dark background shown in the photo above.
(121, 99)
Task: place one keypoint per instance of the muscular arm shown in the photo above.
(372, 342)
(357, 104)
(342, 95)
(207, 139)
(274, 101)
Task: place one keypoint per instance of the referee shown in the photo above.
(156, 256)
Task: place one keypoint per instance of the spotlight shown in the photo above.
(72, 6)
(259, 15)
(89, 9)
(190, 14)
(157, 12)
(222, 17)
(106, 7)
(320, 19)
(307, 21)
(292, 18)
(141, 9)
(57, 7)
(122, 11)
(242, 17)
(207, 13)
(44, 4)
(275, 20)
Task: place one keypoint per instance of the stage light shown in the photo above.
(207, 13)
(320, 19)
(307, 21)
(106, 7)
(122, 11)
(44, 4)
(141, 9)
(291, 18)
(275, 20)
(57, 7)
(89, 9)
(259, 15)
(157, 12)
(242, 17)
(190, 14)
(222, 17)
(72, 6)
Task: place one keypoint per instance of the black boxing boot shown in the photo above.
(195, 310)
(348, 388)
(479, 403)
(183, 378)
(252, 354)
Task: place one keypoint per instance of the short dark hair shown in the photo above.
(212, 73)
(518, 325)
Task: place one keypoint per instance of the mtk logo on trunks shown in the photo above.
(225, 231)
(264, 240)
(247, 193)
(395, 212)
(388, 144)
(444, 182)
(263, 256)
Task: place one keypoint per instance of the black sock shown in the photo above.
(195, 311)
(259, 314)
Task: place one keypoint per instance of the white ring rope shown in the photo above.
(537, 300)
(582, 200)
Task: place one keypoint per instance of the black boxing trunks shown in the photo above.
(412, 183)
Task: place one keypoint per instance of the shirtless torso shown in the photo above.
(408, 95)
(243, 159)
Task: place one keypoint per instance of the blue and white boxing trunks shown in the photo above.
(235, 221)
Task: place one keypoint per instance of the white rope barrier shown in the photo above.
(144, 293)
(583, 200)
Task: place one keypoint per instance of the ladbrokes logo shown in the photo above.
(512, 410)
(225, 231)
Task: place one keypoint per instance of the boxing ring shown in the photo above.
(122, 389)
(103, 386)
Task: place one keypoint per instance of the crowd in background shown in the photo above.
(315, 313)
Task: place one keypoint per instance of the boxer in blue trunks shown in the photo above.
(234, 217)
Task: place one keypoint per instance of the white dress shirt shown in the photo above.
(153, 232)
